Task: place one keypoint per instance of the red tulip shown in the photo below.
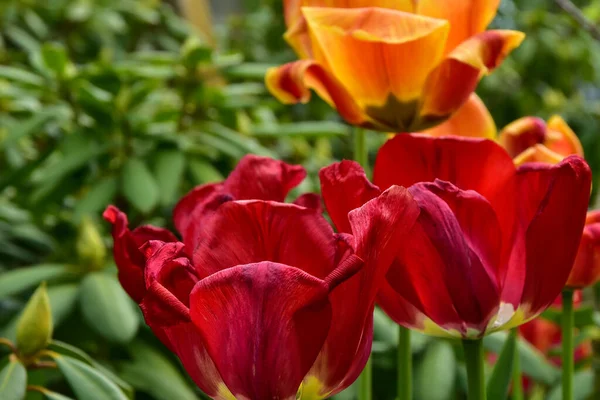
(586, 270)
(262, 299)
(477, 260)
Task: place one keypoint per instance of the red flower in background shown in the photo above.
(586, 270)
(477, 260)
(262, 295)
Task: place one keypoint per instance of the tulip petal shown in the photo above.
(472, 120)
(552, 210)
(449, 86)
(263, 325)
(586, 269)
(470, 164)
(291, 83)
(382, 40)
(466, 17)
(254, 231)
(345, 186)
(449, 260)
(561, 138)
(378, 228)
(522, 134)
(130, 261)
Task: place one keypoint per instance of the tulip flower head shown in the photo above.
(586, 270)
(396, 66)
(476, 260)
(261, 299)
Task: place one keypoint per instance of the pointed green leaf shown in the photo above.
(96, 199)
(438, 366)
(203, 172)
(13, 381)
(152, 372)
(50, 395)
(107, 308)
(17, 280)
(307, 129)
(583, 387)
(87, 382)
(34, 329)
(499, 382)
(168, 169)
(139, 186)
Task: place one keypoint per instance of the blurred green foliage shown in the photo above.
(120, 101)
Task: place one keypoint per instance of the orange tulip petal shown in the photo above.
(377, 52)
(561, 138)
(538, 153)
(472, 120)
(291, 82)
(452, 82)
(466, 17)
(522, 134)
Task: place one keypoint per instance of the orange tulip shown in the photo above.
(586, 270)
(528, 139)
(397, 66)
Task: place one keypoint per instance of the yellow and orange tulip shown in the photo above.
(528, 139)
(396, 66)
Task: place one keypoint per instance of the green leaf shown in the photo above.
(308, 129)
(17, 280)
(22, 39)
(583, 387)
(78, 354)
(584, 316)
(28, 127)
(152, 372)
(35, 326)
(96, 199)
(107, 308)
(87, 383)
(21, 75)
(499, 382)
(168, 170)
(13, 381)
(50, 395)
(204, 172)
(247, 144)
(139, 186)
(55, 58)
(533, 363)
(436, 373)
(250, 71)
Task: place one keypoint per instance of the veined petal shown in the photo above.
(254, 231)
(449, 86)
(466, 17)
(553, 205)
(382, 40)
(561, 139)
(345, 187)
(472, 120)
(291, 83)
(263, 325)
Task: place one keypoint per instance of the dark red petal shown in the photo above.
(129, 259)
(471, 164)
(254, 231)
(447, 266)
(378, 227)
(310, 200)
(586, 269)
(263, 325)
(262, 178)
(184, 211)
(345, 187)
(553, 204)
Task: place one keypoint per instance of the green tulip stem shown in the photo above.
(404, 364)
(567, 344)
(475, 373)
(517, 384)
(361, 155)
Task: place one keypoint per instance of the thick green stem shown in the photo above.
(365, 382)
(361, 155)
(404, 365)
(567, 344)
(475, 374)
(517, 382)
